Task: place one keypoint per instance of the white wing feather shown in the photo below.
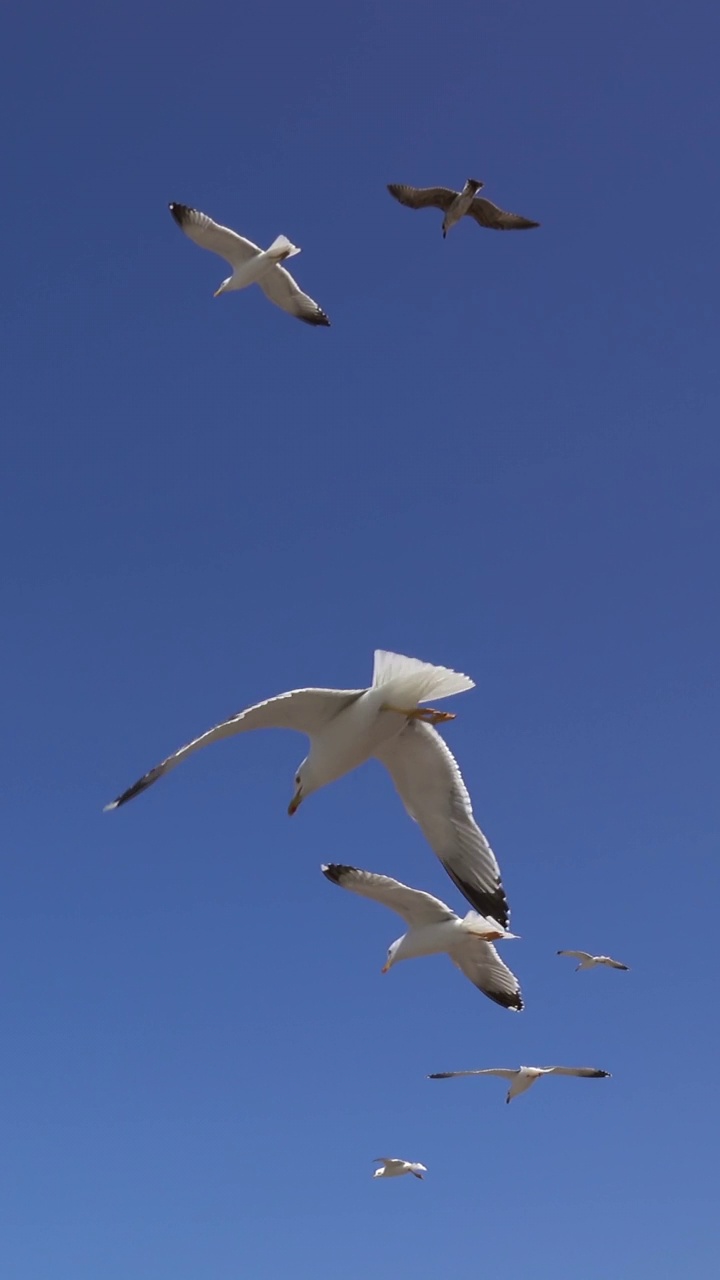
(432, 789)
(480, 962)
(280, 287)
(211, 235)
(306, 710)
(416, 907)
(507, 1073)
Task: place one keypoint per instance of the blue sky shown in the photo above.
(502, 456)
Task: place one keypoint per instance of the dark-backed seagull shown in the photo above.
(396, 1168)
(457, 204)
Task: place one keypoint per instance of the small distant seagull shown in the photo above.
(588, 962)
(523, 1077)
(396, 1168)
(250, 263)
(435, 928)
(456, 204)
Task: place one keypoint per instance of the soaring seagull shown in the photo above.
(456, 204)
(349, 726)
(435, 928)
(589, 962)
(250, 263)
(392, 1168)
(523, 1077)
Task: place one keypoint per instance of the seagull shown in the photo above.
(396, 1168)
(523, 1077)
(347, 727)
(588, 962)
(250, 263)
(435, 928)
(456, 204)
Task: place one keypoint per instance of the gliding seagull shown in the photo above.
(588, 962)
(348, 726)
(250, 263)
(456, 204)
(396, 1168)
(523, 1077)
(434, 928)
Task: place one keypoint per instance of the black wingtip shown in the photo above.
(319, 319)
(488, 902)
(514, 1001)
(180, 212)
(335, 871)
(440, 1075)
(135, 790)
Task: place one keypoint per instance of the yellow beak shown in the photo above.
(385, 967)
(295, 803)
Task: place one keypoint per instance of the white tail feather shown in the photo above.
(282, 248)
(475, 923)
(410, 681)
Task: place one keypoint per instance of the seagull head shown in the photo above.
(392, 955)
(305, 784)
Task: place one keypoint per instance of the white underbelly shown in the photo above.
(250, 272)
(355, 734)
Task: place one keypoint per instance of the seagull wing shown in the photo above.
(279, 286)
(593, 1072)
(415, 907)
(431, 787)
(507, 1073)
(210, 235)
(577, 955)
(480, 962)
(615, 964)
(306, 710)
(491, 215)
(423, 197)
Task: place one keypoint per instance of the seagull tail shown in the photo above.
(482, 925)
(409, 681)
(282, 248)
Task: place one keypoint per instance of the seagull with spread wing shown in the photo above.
(588, 961)
(250, 263)
(385, 721)
(457, 204)
(523, 1077)
(392, 1168)
(435, 928)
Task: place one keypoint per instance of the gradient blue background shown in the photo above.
(503, 457)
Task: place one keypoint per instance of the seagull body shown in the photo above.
(456, 204)
(435, 928)
(347, 727)
(588, 961)
(250, 263)
(396, 1168)
(524, 1077)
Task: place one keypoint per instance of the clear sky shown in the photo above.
(502, 456)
